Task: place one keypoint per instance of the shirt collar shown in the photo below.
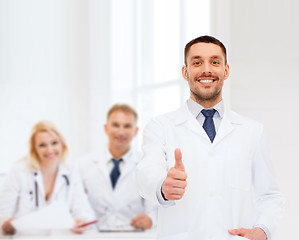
(124, 157)
(195, 108)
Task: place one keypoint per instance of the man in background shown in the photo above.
(109, 176)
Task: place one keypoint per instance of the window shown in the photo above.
(148, 38)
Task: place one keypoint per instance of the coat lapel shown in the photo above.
(130, 164)
(184, 116)
(229, 122)
(60, 180)
(101, 165)
(101, 161)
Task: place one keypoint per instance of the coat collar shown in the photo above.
(62, 179)
(183, 114)
(228, 123)
(62, 170)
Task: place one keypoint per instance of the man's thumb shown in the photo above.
(238, 231)
(178, 160)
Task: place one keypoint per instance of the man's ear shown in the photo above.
(136, 131)
(185, 72)
(226, 73)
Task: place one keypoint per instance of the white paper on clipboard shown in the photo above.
(55, 216)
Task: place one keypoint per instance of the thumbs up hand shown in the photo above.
(173, 187)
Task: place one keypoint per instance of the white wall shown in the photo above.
(99, 70)
(264, 83)
(44, 73)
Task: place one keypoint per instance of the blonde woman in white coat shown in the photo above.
(42, 178)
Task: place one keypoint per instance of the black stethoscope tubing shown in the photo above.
(36, 187)
(36, 193)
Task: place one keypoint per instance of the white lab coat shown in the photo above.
(230, 182)
(18, 194)
(114, 208)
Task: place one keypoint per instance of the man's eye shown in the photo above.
(215, 62)
(197, 63)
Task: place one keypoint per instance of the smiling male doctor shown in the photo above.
(208, 167)
(109, 176)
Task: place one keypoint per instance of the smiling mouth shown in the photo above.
(120, 139)
(206, 80)
(52, 156)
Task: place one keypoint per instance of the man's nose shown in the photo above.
(206, 69)
(121, 130)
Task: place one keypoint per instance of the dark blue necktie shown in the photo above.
(115, 172)
(208, 124)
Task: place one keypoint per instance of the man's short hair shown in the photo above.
(204, 39)
(123, 108)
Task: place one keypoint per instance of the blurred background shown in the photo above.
(68, 61)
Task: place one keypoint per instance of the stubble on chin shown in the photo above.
(205, 97)
(207, 94)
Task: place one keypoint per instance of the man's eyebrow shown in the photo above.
(196, 57)
(216, 56)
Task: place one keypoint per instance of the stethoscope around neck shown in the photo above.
(67, 181)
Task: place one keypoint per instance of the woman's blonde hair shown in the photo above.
(44, 126)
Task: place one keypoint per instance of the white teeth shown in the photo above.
(206, 81)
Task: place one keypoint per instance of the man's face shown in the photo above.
(121, 129)
(205, 72)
